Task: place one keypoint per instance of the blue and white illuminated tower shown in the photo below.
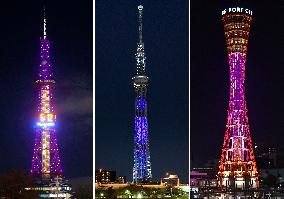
(142, 164)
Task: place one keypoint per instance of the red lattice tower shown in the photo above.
(237, 168)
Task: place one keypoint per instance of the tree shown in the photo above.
(111, 193)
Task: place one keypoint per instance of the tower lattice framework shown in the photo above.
(142, 165)
(45, 162)
(237, 168)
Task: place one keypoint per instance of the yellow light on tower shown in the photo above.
(45, 101)
(42, 117)
(50, 117)
(46, 152)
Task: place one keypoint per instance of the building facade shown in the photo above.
(105, 176)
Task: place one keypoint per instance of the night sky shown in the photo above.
(165, 34)
(209, 77)
(70, 30)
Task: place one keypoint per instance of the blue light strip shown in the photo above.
(45, 124)
(142, 166)
(141, 103)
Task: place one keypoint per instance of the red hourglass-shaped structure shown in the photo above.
(45, 162)
(237, 168)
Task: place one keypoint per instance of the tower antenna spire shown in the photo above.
(44, 23)
(140, 8)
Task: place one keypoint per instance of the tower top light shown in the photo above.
(44, 23)
(140, 8)
(140, 79)
(237, 10)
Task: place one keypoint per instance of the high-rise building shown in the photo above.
(45, 162)
(237, 167)
(142, 164)
(105, 176)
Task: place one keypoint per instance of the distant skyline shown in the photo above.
(209, 70)
(165, 35)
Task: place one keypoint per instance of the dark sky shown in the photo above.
(165, 25)
(69, 28)
(209, 76)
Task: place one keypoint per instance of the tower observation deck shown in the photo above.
(142, 164)
(237, 167)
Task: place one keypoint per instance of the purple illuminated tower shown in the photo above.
(237, 168)
(46, 162)
(142, 164)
